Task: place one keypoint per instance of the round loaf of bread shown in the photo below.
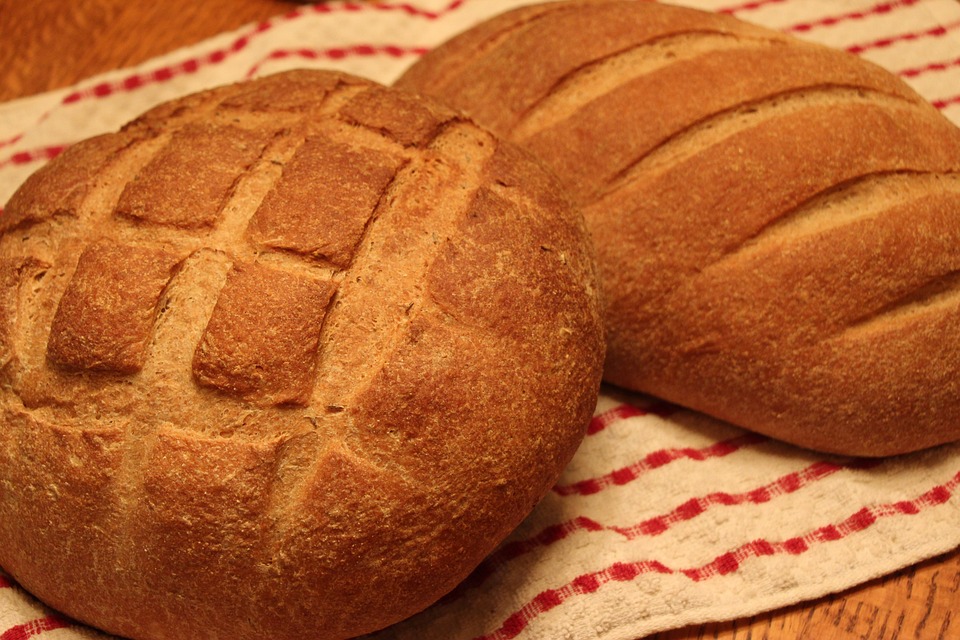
(284, 359)
(777, 223)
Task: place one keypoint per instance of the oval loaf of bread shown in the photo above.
(777, 223)
(284, 359)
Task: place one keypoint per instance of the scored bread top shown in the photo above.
(776, 222)
(288, 355)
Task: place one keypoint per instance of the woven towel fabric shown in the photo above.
(665, 517)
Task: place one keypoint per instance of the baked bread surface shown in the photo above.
(777, 223)
(284, 359)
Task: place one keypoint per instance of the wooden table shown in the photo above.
(46, 44)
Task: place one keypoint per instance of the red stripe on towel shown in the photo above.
(785, 485)
(723, 564)
(15, 139)
(933, 66)
(34, 155)
(656, 460)
(35, 627)
(407, 8)
(164, 74)
(749, 6)
(829, 21)
(338, 53)
(946, 102)
(622, 412)
(934, 32)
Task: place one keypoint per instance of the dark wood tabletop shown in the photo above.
(49, 44)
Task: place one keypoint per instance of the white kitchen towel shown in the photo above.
(664, 518)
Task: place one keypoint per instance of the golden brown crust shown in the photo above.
(264, 334)
(170, 191)
(293, 217)
(299, 354)
(401, 117)
(576, 34)
(105, 315)
(60, 189)
(724, 169)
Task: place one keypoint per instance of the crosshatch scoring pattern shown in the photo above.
(231, 179)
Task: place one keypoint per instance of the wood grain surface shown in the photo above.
(48, 44)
